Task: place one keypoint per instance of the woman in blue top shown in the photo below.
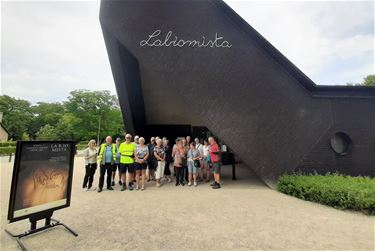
(193, 157)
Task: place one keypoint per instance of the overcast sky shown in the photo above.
(50, 48)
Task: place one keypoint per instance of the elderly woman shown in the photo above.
(199, 147)
(193, 161)
(168, 159)
(179, 155)
(151, 160)
(206, 161)
(141, 155)
(185, 145)
(90, 155)
(159, 154)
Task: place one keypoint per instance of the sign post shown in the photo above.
(41, 183)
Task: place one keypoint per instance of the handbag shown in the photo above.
(197, 163)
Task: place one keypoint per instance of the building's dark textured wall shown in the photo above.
(249, 95)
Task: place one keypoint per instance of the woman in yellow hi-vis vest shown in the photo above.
(126, 151)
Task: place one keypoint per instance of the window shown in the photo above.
(340, 143)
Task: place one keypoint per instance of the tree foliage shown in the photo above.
(47, 132)
(369, 80)
(75, 119)
(45, 113)
(17, 115)
(93, 108)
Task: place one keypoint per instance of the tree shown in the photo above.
(75, 119)
(70, 127)
(369, 80)
(92, 106)
(47, 132)
(17, 115)
(45, 113)
(25, 136)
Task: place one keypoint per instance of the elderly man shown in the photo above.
(106, 158)
(126, 151)
(215, 156)
(136, 140)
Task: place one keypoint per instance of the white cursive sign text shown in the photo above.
(156, 40)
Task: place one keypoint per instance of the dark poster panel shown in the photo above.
(42, 178)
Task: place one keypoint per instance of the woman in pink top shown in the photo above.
(179, 155)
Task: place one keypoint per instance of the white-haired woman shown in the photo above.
(141, 154)
(159, 154)
(90, 155)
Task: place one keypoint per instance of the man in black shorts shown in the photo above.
(126, 151)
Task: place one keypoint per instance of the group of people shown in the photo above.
(192, 162)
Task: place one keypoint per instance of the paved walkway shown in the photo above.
(243, 215)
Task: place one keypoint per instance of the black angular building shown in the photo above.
(181, 66)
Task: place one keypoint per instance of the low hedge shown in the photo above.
(12, 149)
(336, 190)
(7, 150)
(7, 143)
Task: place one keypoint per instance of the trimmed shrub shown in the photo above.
(336, 190)
(7, 150)
(7, 143)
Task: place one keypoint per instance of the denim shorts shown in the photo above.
(191, 167)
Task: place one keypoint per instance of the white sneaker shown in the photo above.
(195, 184)
(169, 180)
(137, 188)
(143, 188)
(189, 184)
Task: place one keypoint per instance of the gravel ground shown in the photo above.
(243, 215)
